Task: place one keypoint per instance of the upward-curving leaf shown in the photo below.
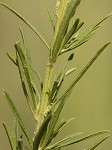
(17, 116)
(26, 22)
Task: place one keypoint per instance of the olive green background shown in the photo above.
(91, 102)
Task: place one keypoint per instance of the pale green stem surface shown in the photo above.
(44, 101)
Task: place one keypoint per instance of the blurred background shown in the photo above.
(91, 102)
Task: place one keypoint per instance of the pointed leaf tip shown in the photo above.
(98, 143)
(27, 23)
(71, 57)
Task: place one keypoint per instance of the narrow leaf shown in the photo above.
(61, 101)
(27, 54)
(85, 36)
(55, 133)
(41, 131)
(51, 19)
(70, 33)
(64, 13)
(70, 71)
(81, 74)
(79, 26)
(63, 72)
(26, 22)
(15, 131)
(57, 145)
(26, 72)
(52, 123)
(16, 114)
(12, 58)
(58, 128)
(10, 136)
(29, 61)
(98, 143)
(62, 124)
(23, 81)
(60, 144)
(58, 82)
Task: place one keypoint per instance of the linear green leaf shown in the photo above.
(75, 27)
(68, 137)
(10, 136)
(23, 81)
(12, 58)
(70, 71)
(61, 101)
(81, 74)
(56, 145)
(26, 72)
(51, 19)
(52, 123)
(29, 61)
(41, 131)
(16, 114)
(59, 80)
(58, 128)
(70, 33)
(15, 131)
(27, 54)
(79, 26)
(85, 36)
(98, 143)
(55, 133)
(26, 22)
(61, 144)
(65, 12)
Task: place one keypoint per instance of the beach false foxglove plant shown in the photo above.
(46, 106)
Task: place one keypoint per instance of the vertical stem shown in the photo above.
(44, 101)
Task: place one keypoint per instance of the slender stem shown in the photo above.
(44, 101)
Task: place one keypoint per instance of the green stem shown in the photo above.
(44, 101)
